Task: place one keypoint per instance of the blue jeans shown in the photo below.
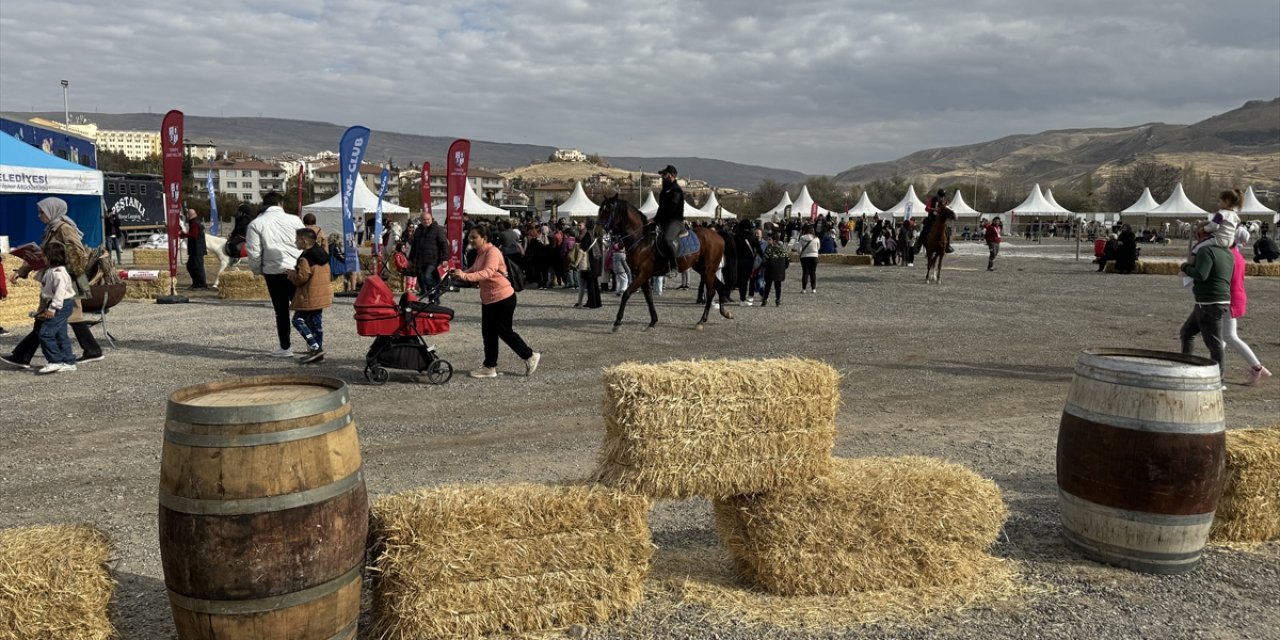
(310, 325)
(113, 245)
(53, 336)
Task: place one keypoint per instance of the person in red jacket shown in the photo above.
(993, 242)
(4, 293)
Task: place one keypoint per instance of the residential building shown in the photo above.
(135, 145)
(491, 187)
(327, 180)
(569, 155)
(247, 180)
(202, 151)
(553, 193)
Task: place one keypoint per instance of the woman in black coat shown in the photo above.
(1127, 255)
(747, 251)
(776, 261)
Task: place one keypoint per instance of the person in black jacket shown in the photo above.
(669, 218)
(748, 251)
(428, 247)
(1127, 255)
(1265, 249)
(235, 242)
(195, 250)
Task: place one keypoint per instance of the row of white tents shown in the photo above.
(1037, 204)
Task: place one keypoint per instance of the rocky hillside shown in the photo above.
(1242, 143)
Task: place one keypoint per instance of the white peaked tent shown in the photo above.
(1252, 206)
(709, 209)
(329, 212)
(578, 205)
(1035, 205)
(962, 208)
(1048, 195)
(472, 205)
(803, 206)
(900, 210)
(1178, 206)
(650, 205)
(1144, 204)
(780, 211)
(864, 207)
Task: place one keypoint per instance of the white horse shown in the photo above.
(216, 245)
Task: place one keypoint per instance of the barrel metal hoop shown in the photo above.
(196, 414)
(1145, 560)
(1198, 428)
(247, 506)
(1146, 381)
(1156, 519)
(272, 603)
(255, 439)
(348, 632)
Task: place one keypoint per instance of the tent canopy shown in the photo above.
(781, 210)
(1144, 204)
(708, 210)
(909, 199)
(1048, 195)
(1178, 205)
(28, 175)
(1035, 205)
(472, 205)
(329, 212)
(650, 205)
(962, 208)
(864, 207)
(578, 205)
(803, 206)
(1251, 204)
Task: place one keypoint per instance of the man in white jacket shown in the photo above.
(272, 251)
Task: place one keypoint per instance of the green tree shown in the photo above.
(118, 162)
(827, 193)
(411, 195)
(886, 192)
(977, 196)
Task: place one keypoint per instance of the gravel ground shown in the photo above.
(974, 370)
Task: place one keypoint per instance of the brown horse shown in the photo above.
(628, 226)
(936, 243)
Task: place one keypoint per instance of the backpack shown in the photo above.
(576, 257)
(514, 274)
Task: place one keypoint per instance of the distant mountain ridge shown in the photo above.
(276, 136)
(1243, 143)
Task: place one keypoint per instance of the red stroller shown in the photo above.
(398, 331)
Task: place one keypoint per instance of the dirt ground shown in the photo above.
(974, 370)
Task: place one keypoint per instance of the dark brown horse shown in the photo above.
(628, 227)
(936, 243)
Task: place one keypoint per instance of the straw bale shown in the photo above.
(705, 577)
(1249, 510)
(468, 560)
(1264, 269)
(54, 583)
(872, 524)
(24, 297)
(150, 257)
(717, 428)
(394, 279)
(148, 289)
(242, 285)
(845, 259)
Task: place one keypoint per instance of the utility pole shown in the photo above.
(66, 114)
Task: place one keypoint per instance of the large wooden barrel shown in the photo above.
(1140, 458)
(263, 511)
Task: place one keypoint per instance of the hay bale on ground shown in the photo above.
(150, 257)
(24, 297)
(242, 285)
(845, 259)
(463, 561)
(148, 289)
(873, 524)
(1249, 510)
(394, 279)
(1263, 269)
(717, 428)
(54, 583)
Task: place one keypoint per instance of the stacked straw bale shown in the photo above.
(873, 524)
(1174, 268)
(846, 259)
(54, 583)
(1266, 269)
(717, 428)
(463, 561)
(1249, 510)
(242, 285)
(24, 297)
(395, 279)
(159, 258)
(148, 289)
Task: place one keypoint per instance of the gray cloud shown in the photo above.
(814, 86)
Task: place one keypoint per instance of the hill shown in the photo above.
(1242, 143)
(276, 136)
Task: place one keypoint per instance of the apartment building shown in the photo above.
(328, 178)
(247, 180)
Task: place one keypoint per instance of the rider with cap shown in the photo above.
(935, 207)
(670, 216)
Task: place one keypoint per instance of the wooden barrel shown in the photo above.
(263, 511)
(1140, 458)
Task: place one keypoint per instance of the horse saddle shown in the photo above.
(687, 242)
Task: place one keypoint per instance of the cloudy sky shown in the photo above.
(812, 86)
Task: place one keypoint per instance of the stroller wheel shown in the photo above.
(439, 372)
(376, 374)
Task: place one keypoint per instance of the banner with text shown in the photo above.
(171, 148)
(426, 187)
(350, 155)
(813, 212)
(377, 220)
(458, 158)
(214, 227)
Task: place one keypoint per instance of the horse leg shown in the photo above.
(724, 294)
(648, 299)
(622, 304)
(705, 288)
(937, 276)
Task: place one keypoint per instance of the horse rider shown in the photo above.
(235, 242)
(936, 205)
(669, 219)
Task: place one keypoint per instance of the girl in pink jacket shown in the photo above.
(1238, 303)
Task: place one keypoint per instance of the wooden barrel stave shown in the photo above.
(1141, 449)
(264, 512)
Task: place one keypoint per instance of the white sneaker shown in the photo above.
(282, 353)
(748, 303)
(484, 372)
(69, 367)
(1257, 374)
(531, 364)
(52, 367)
(814, 290)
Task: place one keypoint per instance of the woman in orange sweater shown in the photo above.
(497, 304)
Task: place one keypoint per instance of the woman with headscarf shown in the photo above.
(59, 227)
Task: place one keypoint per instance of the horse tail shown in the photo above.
(730, 270)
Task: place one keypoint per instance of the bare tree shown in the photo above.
(1125, 186)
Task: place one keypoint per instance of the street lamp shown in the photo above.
(66, 115)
